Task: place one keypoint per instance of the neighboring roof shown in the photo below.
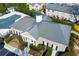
(5, 52)
(33, 4)
(46, 29)
(63, 8)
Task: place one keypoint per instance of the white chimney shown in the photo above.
(38, 18)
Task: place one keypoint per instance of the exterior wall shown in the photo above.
(60, 14)
(35, 7)
(61, 47)
(26, 39)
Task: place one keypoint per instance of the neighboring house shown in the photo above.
(63, 11)
(42, 30)
(35, 6)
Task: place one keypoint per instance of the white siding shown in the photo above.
(61, 47)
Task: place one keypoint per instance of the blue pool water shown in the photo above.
(5, 23)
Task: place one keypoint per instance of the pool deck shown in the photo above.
(12, 13)
(4, 31)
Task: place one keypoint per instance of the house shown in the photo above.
(35, 6)
(41, 30)
(63, 11)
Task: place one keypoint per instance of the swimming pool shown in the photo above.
(5, 23)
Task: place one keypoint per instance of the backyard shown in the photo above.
(16, 41)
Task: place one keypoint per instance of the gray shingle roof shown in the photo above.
(55, 32)
(33, 4)
(62, 8)
(46, 29)
(24, 24)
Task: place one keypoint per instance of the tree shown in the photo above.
(25, 9)
(2, 8)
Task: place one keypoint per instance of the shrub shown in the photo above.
(24, 8)
(37, 48)
(62, 21)
(71, 43)
(68, 54)
(76, 27)
(2, 8)
(49, 51)
(8, 39)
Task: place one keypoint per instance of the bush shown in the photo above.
(76, 27)
(37, 48)
(62, 21)
(2, 8)
(24, 8)
(1, 42)
(8, 39)
(49, 51)
(71, 42)
(68, 54)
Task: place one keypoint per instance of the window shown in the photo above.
(56, 47)
(47, 44)
(43, 42)
(32, 41)
(52, 46)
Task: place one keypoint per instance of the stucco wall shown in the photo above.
(60, 14)
(61, 47)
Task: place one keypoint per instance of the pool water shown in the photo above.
(5, 23)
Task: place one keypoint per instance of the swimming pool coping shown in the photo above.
(12, 13)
